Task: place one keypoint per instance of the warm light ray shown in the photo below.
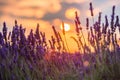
(66, 26)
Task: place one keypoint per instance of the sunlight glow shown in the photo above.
(67, 27)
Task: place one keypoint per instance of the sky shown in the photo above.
(53, 12)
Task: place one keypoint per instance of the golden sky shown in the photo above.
(52, 12)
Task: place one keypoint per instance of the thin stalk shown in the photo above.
(79, 49)
(83, 37)
(93, 19)
(66, 43)
(64, 48)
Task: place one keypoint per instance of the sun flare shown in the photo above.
(66, 26)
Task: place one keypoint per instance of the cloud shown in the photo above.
(2, 4)
(56, 22)
(70, 13)
(29, 24)
(76, 1)
(30, 8)
(28, 13)
(49, 6)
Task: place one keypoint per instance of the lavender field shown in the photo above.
(34, 57)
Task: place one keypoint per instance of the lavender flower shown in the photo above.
(87, 23)
(91, 9)
(37, 34)
(99, 18)
(51, 46)
(91, 30)
(4, 31)
(55, 32)
(106, 24)
(43, 37)
(77, 18)
(117, 21)
(108, 37)
(115, 38)
(22, 36)
(103, 29)
(31, 38)
(9, 35)
(53, 41)
(1, 39)
(16, 23)
(112, 19)
(97, 27)
(4, 51)
(40, 50)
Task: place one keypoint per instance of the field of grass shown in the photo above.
(32, 57)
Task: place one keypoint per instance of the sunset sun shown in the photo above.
(66, 26)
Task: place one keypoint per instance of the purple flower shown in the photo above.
(30, 66)
(106, 24)
(43, 37)
(56, 34)
(117, 21)
(112, 19)
(99, 18)
(91, 9)
(31, 38)
(113, 10)
(97, 27)
(108, 37)
(40, 49)
(91, 30)
(37, 33)
(15, 22)
(2, 65)
(3, 51)
(4, 31)
(9, 35)
(77, 18)
(13, 36)
(1, 39)
(87, 23)
(22, 36)
(15, 57)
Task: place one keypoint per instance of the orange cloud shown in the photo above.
(56, 22)
(29, 24)
(45, 26)
(31, 8)
(49, 6)
(70, 13)
(76, 1)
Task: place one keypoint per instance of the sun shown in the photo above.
(66, 26)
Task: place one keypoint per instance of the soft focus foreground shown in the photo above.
(32, 57)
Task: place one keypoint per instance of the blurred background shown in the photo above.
(53, 12)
